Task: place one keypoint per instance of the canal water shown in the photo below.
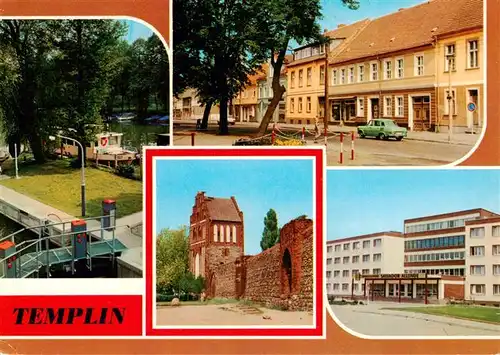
(137, 135)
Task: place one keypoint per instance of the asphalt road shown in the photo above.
(368, 152)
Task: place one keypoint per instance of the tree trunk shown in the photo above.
(37, 148)
(206, 115)
(223, 127)
(278, 91)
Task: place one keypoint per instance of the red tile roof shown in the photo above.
(223, 209)
(413, 27)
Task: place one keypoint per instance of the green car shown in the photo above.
(382, 129)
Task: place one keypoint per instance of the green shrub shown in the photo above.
(125, 170)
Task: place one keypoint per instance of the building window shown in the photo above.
(355, 287)
(342, 76)
(345, 273)
(335, 80)
(336, 273)
(366, 258)
(477, 290)
(477, 251)
(292, 80)
(377, 257)
(458, 255)
(377, 242)
(419, 65)
(451, 241)
(216, 233)
(346, 246)
(328, 274)
(496, 290)
(477, 270)
(400, 106)
(496, 270)
(400, 68)
(301, 78)
(377, 271)
(351, 75)
(355, 246)
(292, 105)
(365, 271)
(322, 75)
(477, 232)
(329, 261)
(355, 259)
(388, 106)
(366, 244)
(388, 70)
(328, 287)
(329, 249)
(308, 104)
(361, 109)
(495, 250)
(495, 231)
(335, 287)
(228, 234)
(234, 234)
(337, 247)
(361, 73)
(355, 272)
(345, 287)
(336, 261)
(374, 71)
(309, 76)
(449, 51)
(473, 49)
(300, 104)
(345, 260)
(453, 102)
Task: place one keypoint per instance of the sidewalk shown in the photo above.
(457, 138)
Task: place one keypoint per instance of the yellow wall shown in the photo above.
(312, 91)
(248, 96)
(409, 80)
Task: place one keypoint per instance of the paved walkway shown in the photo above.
(372, 320)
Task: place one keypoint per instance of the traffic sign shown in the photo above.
(471, 107)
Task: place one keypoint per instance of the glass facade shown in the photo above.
(439, 242)
(435, 257)
(425, 227)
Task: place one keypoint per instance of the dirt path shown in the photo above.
(213, 315)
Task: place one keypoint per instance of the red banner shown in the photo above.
(71, 315)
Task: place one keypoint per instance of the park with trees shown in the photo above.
(219, 44)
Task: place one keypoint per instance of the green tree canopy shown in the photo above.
(271, 233)
(172, 258)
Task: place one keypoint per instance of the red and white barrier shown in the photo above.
(341, 158)
(352, 145)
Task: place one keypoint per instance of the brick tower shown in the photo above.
(216, 236)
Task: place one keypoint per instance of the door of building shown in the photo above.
(473, 117)
(375, 108)
(421, 113)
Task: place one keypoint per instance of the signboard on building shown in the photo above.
(394, 276)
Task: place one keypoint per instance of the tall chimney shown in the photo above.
(340, 25)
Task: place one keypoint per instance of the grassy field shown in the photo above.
(481, 314)
(58, 185)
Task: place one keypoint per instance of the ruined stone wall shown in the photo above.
(216, 256)
(263, 277)
(225, 281)
(304, 299)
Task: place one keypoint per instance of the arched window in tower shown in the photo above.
(221, 233)
(234, 234)
(216, 232)
(228, 234)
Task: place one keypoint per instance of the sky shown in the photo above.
(370, 201)
(136, 30)
(258, 185)
(334, 13)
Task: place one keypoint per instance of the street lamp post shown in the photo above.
(450, 57)
(52, 138)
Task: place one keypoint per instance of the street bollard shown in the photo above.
(341, 160)
(192, 138)
(352, 145)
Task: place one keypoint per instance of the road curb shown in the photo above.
(436, 141)
(428, 319)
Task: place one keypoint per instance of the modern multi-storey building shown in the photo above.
(378, 253)
(451, 255)
(482, 247)
(397, 68)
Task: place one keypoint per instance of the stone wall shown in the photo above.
(224, 284)
(263, 277)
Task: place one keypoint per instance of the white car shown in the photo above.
(230, 120)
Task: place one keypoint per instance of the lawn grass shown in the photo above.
(56, 184)
(475, 313)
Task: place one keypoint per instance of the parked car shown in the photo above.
(230, 120)
(382, 129)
